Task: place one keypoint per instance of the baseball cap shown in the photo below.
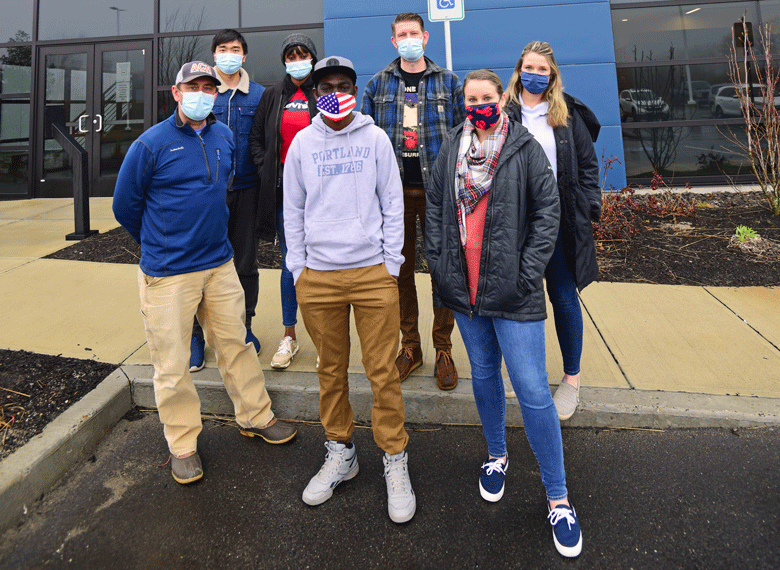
(333, 64)
(193, 69)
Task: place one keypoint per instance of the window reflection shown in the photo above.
(62, 19)
(15, 69)
(189, 15)
(683, 152)
(676, 32)
(17, 19)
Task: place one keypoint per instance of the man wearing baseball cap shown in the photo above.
(343, 219)
(171, 196)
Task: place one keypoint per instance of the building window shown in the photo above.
(673, 84)
(70, 19)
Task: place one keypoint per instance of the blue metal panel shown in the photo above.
(578, 33)
(596, 86)
(361, 8)
(366, 41)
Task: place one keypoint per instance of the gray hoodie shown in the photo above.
(343, 199)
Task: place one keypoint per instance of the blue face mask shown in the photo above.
(411, 49)
(228, 63)
(197, 105)
(298, 69)
(534, 83)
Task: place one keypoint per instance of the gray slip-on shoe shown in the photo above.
(186, 470)
(277, 432)
(566, 399)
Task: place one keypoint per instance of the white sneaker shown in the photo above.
(401, 502)
(288, 348)
(341, 464)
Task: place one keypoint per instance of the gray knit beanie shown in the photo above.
(299, 40)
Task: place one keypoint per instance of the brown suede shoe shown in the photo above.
(446, 374)
(275, 432)
(409, 359)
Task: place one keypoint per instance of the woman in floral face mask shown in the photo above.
(492, 216)
(284, 109)
(566, 129)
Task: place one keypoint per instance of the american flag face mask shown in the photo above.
(336, 106)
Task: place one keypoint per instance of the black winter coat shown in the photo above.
(578, 187)
(521, 225)
(265, 144)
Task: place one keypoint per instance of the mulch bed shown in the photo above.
(679, 239)
(36, 388)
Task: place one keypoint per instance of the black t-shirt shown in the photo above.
(410, 153)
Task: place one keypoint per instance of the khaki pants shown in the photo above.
(168, 305)
(443, 321)
(324, 298)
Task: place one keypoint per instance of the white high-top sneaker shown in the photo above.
(401, 502)
(341, 464)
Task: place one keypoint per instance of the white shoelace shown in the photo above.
(332, 461)
(285, 345)
(562, 512)
(397, 477)
(495, 465)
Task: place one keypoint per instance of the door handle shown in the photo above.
(81, 126)
(100, 125)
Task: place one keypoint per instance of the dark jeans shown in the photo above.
(443, 321)
(562, 290)
(242, 205)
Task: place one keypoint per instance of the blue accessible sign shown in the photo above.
(445, 10)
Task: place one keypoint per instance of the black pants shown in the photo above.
(242, 205)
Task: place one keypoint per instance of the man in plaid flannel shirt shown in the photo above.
(416, 102)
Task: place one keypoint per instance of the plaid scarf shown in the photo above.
(475, 167)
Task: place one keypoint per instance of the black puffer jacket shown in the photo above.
(578, 187)
(520, 229)
(265, 144)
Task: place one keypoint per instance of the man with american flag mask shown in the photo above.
(343, 220)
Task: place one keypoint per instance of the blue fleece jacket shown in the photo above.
(343, 201)
(171, 196)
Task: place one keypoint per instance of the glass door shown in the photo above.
(122, 100)
(102, 93)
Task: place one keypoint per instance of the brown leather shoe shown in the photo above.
(275, 432)
(446, 374)
(408, 360)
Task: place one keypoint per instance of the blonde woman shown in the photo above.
(566, 129)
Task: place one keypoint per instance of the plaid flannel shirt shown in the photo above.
(439, 108)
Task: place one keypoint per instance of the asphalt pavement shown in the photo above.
(704, 498)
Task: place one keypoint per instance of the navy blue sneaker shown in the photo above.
(566, 530)
(491, 479)
(250, 337)
(197, 358)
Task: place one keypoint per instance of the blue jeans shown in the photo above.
(286, 281)
(522, 345)
(562, 290)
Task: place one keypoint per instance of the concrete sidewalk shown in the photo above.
(648, 350)
(654, 356)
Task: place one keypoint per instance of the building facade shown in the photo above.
(654, 71)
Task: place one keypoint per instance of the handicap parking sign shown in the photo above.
(442, 10)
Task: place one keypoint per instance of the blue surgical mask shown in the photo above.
(534, 83)
(411, 49)
(298, 69)
(229, 63)
(196, 105)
